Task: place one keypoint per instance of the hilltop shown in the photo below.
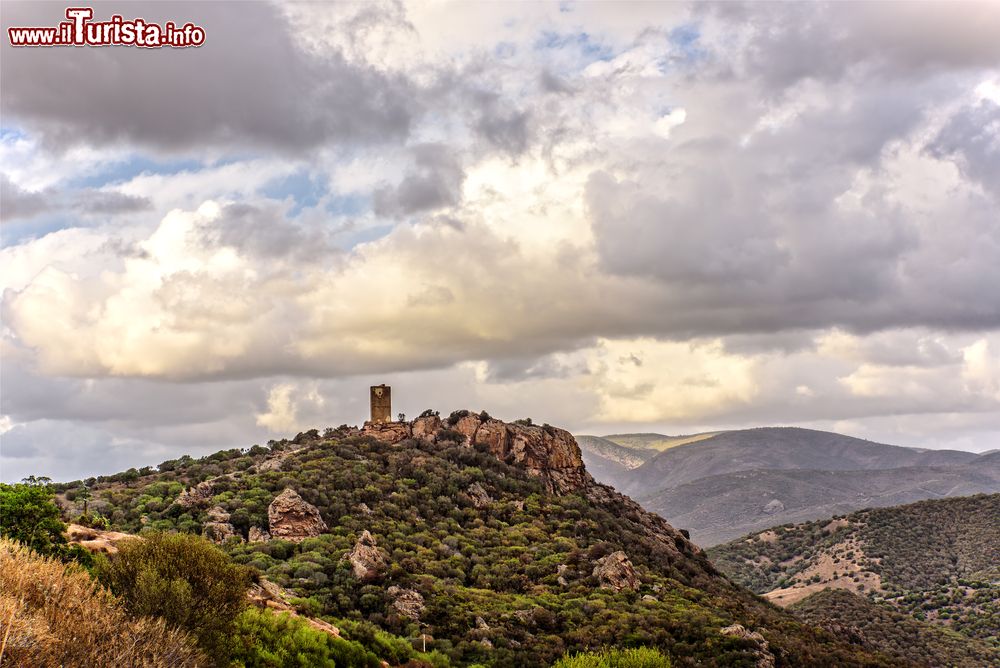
(726, 484)
(488, 540)
(936, 561)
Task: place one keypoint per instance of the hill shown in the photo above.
(777, 448)
(723, 507)
(877, 625)
(726, 484)
(934, 560)
(657, 442)
(488, 540)
(608, 461)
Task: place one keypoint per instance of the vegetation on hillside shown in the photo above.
(489, 575)
(879, 625)
(936, 560)
(29, 516)
(643, 657)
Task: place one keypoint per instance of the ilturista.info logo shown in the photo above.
(81, 30)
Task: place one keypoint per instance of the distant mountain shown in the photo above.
(608, 461)
(659, 442)
(720, 508)
(937, 561)
(777, 448)
(488, 540)
(724, 484)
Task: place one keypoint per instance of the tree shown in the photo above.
(184, 579)
(29, 515)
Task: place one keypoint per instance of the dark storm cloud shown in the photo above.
(17, 203)
(248, 86)
(436, 183)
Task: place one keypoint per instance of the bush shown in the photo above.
(56, 615)
(642, 657)
(184, 579)
(264, 639)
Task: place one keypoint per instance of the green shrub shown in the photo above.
(182, 578)
(29, 515)
(642, 657)
(266, 640)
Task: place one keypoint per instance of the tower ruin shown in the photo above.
(381, 404)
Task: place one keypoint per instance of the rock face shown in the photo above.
(426, 428)
(764, 657)
(407, 602)
(615, 571)
(387, 432)
(547, 452)
(366, 559)
(291, 518)
(218, 529)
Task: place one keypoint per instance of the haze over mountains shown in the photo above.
(724, 484)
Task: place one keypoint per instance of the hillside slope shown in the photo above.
(489, 539)
(723, 507)
(878, 625)
(935, 560)
(777, 448)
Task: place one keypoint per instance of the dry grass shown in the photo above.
(55, 615)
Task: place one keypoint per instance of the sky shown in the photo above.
(605, 216)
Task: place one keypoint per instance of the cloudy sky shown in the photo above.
(652, 217)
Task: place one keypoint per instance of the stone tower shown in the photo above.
(381, 402)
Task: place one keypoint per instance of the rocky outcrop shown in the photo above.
(257, 535)
(388, 432)
(199, 495)
(96, 540)
(266, 594)
(615, 571)
(561, 571)
(291, 518)
(366, 559)
(773, 506)
(544, 451)
(218, 529)
(408, 603)
(764, 657)
(480, 497)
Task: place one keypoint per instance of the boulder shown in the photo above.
(407, 602)
(615, 571)
(366, 559)
(258, 535)
(561, 575)
(480, 497)
(763, 655)
(291, 518)
(218, 529)
(774, 506)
